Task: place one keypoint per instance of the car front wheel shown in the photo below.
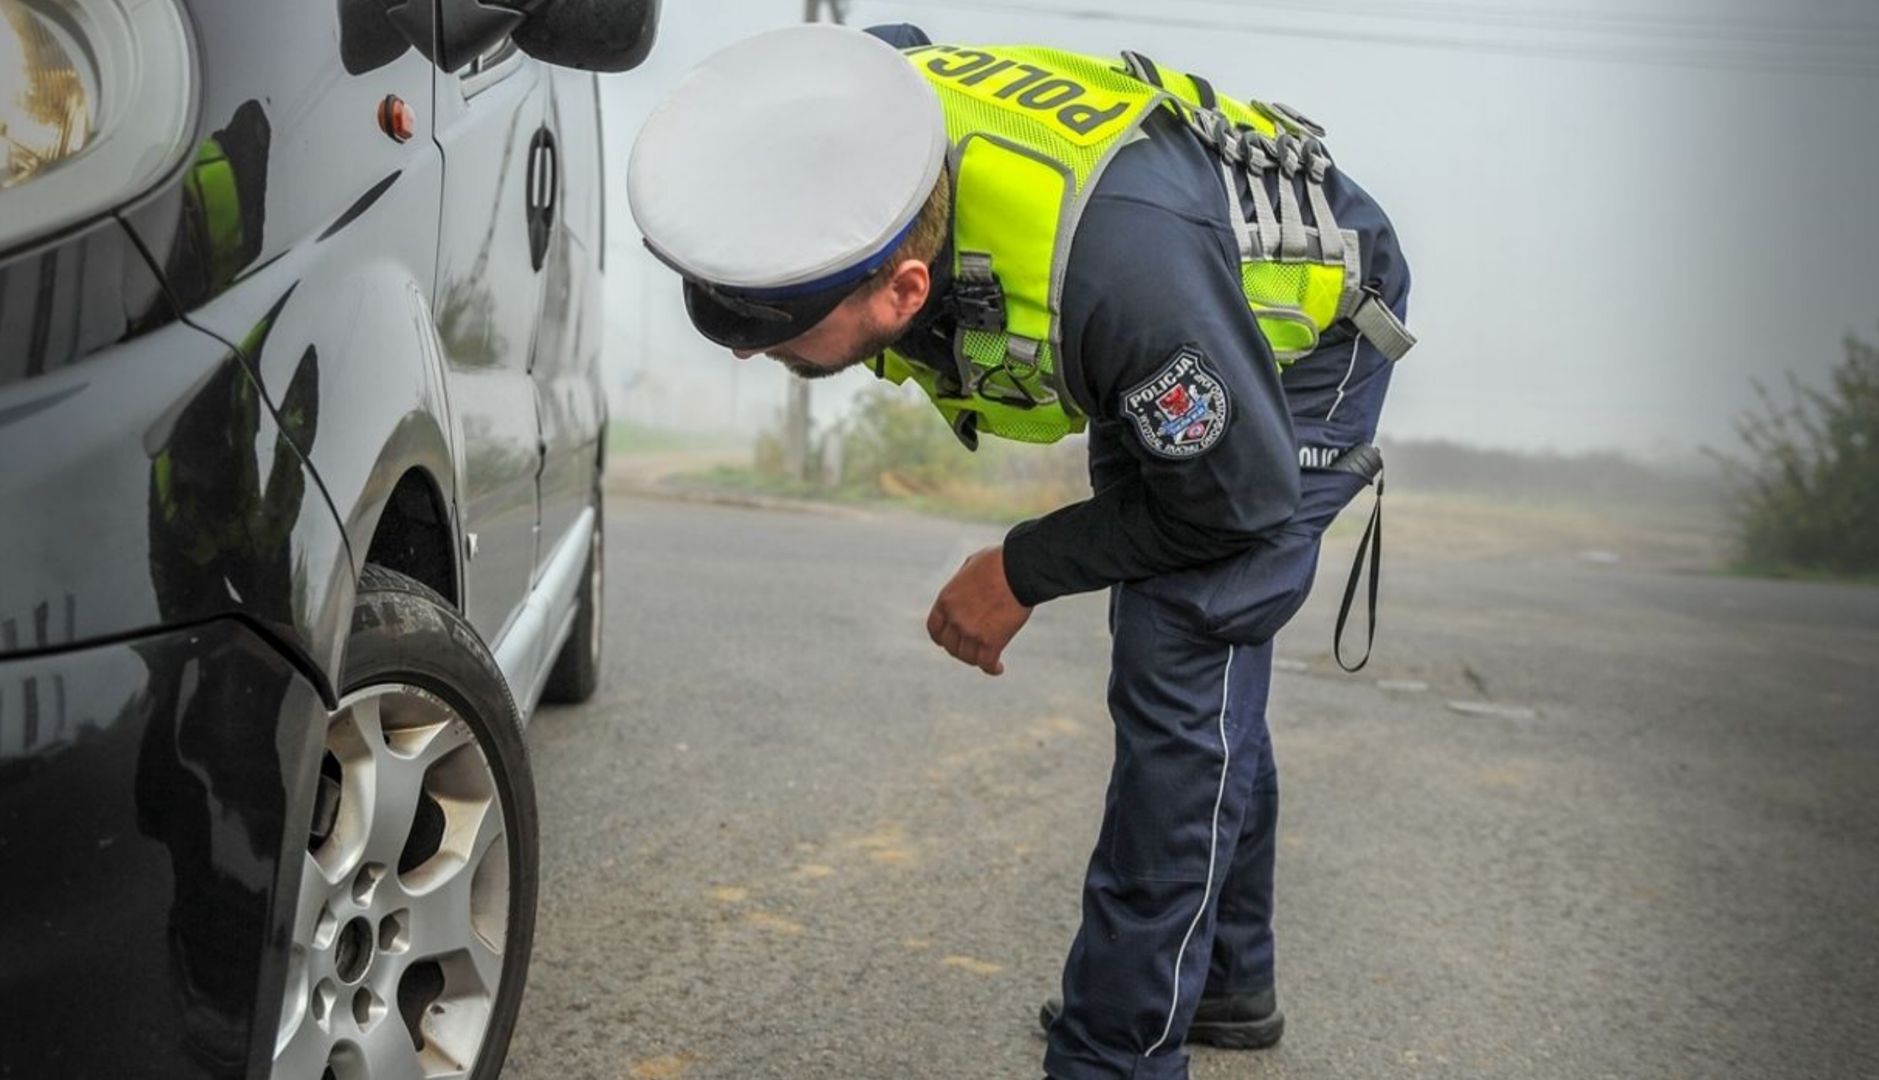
(416, 907)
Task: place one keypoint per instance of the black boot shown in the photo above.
(1230, 1021)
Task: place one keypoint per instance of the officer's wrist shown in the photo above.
(1017, 557)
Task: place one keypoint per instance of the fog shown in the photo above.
(1617, 214)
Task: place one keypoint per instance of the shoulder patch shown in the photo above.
(1182, 410)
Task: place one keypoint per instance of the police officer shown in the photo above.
(1049, 243)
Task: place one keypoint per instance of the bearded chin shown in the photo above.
(879, 340)
(803, 369)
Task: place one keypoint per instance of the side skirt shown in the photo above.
(534, 638)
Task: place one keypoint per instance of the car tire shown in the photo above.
(415, 913)
(576, 674)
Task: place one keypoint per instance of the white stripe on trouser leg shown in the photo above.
(1213, 850)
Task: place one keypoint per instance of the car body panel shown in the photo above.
(288, 147)
(353, 329)
(331, 234)
(147, 791)
(302, 215)
(487, 301)
(149, 486)
(566, 368)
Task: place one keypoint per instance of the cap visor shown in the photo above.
(759, 325)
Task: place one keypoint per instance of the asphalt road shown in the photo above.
(790, 838)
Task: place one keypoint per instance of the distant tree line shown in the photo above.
(1598, 478)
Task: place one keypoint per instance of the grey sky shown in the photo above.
(1616, 213)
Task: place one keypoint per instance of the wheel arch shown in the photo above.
(403, 516)
(414, 536)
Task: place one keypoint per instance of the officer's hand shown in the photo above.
(976, 615)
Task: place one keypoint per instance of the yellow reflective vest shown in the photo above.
(1032, 130)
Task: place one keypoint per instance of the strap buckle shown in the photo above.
(1380, 326)
(978, 300)
(1294, 119)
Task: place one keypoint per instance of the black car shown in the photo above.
(300, 455)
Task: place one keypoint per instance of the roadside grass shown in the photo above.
(1446, 502)
(964, 500)
(1776, 572)
(744, 480)
(1459, 526)
(629, 437)
(1427, 525)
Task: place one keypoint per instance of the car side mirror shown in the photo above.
(593, 35)
(451, 33)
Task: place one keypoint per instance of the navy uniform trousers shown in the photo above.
(1177, 901)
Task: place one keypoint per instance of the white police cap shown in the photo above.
(781, 172)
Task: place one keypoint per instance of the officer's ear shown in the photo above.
(906, 289)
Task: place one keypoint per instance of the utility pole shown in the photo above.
(796, 408)
(838, 10)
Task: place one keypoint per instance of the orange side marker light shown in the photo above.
(397, 119)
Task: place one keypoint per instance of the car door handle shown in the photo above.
(544, 184)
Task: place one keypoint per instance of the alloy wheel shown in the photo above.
(403, 909)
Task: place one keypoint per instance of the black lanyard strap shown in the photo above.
(1373, 541)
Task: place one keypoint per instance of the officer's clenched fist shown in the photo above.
(976, 615)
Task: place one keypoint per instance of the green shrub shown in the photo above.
(1806, 495)
(893, 445)
(894, 442)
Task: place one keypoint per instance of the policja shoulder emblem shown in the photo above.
(1182, 410)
